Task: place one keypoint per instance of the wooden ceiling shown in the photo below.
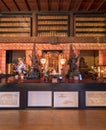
(52, 5)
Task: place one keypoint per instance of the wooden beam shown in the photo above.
(41, 40)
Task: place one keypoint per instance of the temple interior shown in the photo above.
(52, 64)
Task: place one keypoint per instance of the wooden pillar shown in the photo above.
(100, 57)
(34, 33)
(104, 57)
(28, 54)
(3, 61)
(72, 24)
(0, 61)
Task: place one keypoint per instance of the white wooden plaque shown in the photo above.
(65, 99)
(95, 98)
(9, 99)
(39, 98)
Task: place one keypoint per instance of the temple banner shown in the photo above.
(9, 99)
(39, 99)
(96, 98)
(66, 99)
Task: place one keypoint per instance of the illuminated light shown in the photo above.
(62, 61)
(43, 61)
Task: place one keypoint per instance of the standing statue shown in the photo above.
(34, 61)
(74, 71)
(34, 72)
(73, 63)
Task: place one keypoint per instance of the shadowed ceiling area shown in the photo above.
(52, 5)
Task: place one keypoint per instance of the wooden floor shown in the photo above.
(52, 119)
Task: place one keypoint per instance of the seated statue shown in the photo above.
(20, 66)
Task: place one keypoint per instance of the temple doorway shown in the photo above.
(53, 59)
(11, 58)
(91, 57)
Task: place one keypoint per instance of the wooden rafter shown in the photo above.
(64, 5)
(27, 4)
(69, 4)
(90, 4)
(52, 5)
(100, 4)
(16, 5)
(77, 5)
(46, 5)
(59, 5)
(5, 4)
(49, 5)
(35, 5)
(38, 4)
